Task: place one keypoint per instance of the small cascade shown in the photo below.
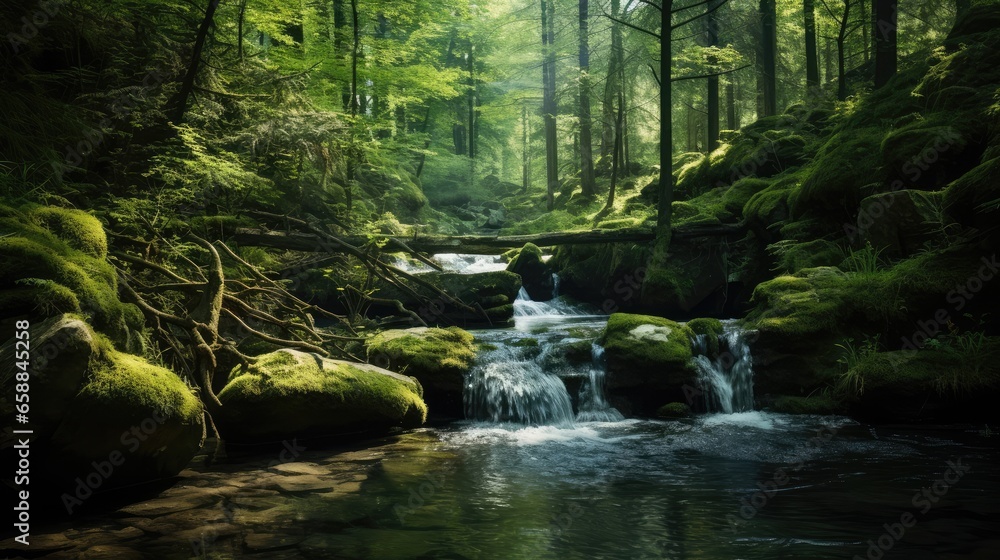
(510, 386)
(593, 406)
(555, 285)
(727, 376)
(525, 307)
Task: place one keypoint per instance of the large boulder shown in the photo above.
(55, 262)
(901, 222)
(438, 358)
(536, 274)
(649, 361)
(288, 394)
(99, 415)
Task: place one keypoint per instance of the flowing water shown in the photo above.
(546, 468)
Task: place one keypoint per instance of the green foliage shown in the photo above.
(852, 381)
(864, 262)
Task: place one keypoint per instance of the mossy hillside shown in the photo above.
(831, 185)
(45, 274)
(644, 345)
(288, 393)
(425, 353)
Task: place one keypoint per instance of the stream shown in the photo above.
(546, 468)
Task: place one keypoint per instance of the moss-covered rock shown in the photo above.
(794, 256)
(288, 393)
(649, 360)
(92, 404)
(818, 404)
(709, 328)
(974, 198)
(437, 358)
(674, 410)
(943, 382)
(689, 281)
(833, 181)
(536, 275)
(900, 223)
(63, 270)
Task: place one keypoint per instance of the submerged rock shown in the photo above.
(289, 393)
(437, 358)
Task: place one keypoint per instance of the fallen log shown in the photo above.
(484, 244)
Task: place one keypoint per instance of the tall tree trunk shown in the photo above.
(427, 143)
(588, 185)
(768, 58)
(713, 80)
(525, 153)
(828, 58)
(812, 57)
(355, 103)
(865, 44)
(841, 40)
(623, 128)
(615, 161)
(339, 27)
(472, 102)
(549, 72)
(885, 41)
(961, 6)
(180, 100)
(731, 123)
(239, 29)
(611, 84)
(666, 190)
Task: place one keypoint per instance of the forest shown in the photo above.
(572, 247)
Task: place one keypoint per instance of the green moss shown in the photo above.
(975, 193)
(809, 303)
(769, 206)
(530, 252)
(711, 329)
(819, 404)
(644, 341)
(79, 229)
(674, 410)
(525, 343)
(126, 381)
(737, 196)
(424, 352)
(42, 264)
(289, 392)
(843, 165)
(792, 256)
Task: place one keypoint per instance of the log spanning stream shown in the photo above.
(545, 467)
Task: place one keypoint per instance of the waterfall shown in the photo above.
(510, 386)
(726, 378)
(593, 406)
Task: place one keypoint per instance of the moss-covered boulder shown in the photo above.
(711, 330)
(673, 410)
(54, 263)
(92, 405)
(289, 393)
(437, 358)
(946, 382)
(649, 360)
(690, 281)
(815, 404)
(536, 274)
(900, 223)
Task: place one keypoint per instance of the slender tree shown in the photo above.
(713, 79)
(767, 58)
(611, 83)
(587, 182)
(885, 41)
(841, 45)
(549, 102)
(666, 190)
(180, 100)
(812, 57)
